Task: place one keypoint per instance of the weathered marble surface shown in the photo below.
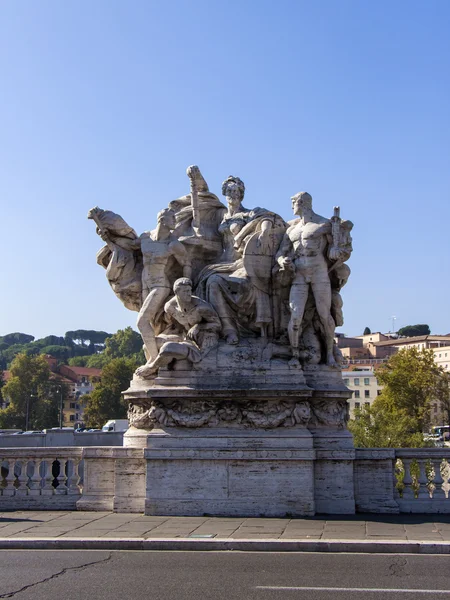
(262, 293)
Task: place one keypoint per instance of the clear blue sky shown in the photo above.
(107, 102)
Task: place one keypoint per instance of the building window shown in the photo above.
(346, 381)
(72, 405)
(72, 418)
(366, 393)
(366, 381)
(356, 393)
(366, 403)
(356, 381)
(357, 405)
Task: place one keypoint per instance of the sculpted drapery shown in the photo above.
(250, 275)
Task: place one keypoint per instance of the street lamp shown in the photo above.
(59, 387)
(27, 415)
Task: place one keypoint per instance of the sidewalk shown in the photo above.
(119, 531)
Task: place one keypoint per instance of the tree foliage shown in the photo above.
(82, 342)
(412, 330)
(126, 342)
(367, 331)
(105, 401)
(28, 390)
(16, 338)
(87, 336)
(375, 427)
(401, 414)
(78, 361)
(62, 353)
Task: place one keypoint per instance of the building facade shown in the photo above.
(365, 388)
(82, 381)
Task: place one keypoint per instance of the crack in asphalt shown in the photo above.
(56, 575)
(398, 566)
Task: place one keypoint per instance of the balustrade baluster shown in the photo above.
(438, 492)
(408, 491)
(396, 471)
(10, 489)
(22, 489)
(74, 480)
(62, 477)
(2, 474)
(36, 479)
(423, 491)
(48, 489)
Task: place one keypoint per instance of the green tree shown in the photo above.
(401, 414)
(125, 343)
(87, 336)
(105, 401)
(16, 338)
(375, 427)
(412, 330)
(11, 352)
(367, 331)
(411, 381)
(2, 383)
(62, 353)
(24, 389)
(78, 361)
(97, 361)
(51, 399)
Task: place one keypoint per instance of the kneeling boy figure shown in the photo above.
(194, 328)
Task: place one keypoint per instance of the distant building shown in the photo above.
(365, 388)
(442, 357)
(421, 342)
(82, 380)
(364, 348)
(78, 381)
(380, 346)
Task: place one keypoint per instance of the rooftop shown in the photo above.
(414, 340)
(84, 370)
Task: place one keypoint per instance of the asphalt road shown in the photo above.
(98, 575)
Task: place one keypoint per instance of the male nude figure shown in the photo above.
(303, 250)
(157, 247)
(198, 325)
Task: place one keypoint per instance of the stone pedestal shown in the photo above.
(333, 472)
(224, 472)
(276, 450)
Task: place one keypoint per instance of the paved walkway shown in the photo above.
(372, 533)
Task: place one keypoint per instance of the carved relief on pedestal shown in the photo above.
(329, 412)
(264, 414)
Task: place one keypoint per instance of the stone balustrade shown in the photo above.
(40, 478)
(411, 480)
(422, 480)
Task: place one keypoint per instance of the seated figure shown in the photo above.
(193, 329)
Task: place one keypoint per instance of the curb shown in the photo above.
(225, 544)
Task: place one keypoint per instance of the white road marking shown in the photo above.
(346, 589)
